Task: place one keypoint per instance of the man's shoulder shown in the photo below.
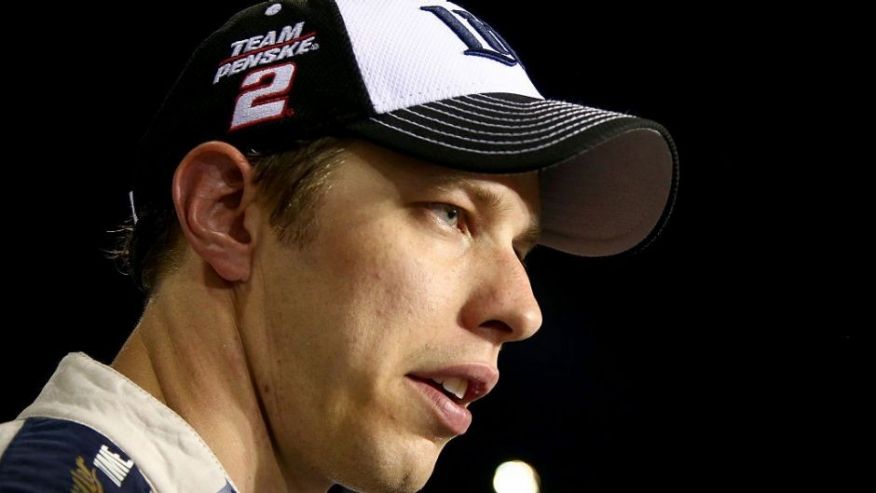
(48, 454)
(8, 430)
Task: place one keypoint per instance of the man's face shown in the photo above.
(410, 279)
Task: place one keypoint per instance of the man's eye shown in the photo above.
(448, 213)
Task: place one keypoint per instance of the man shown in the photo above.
(329, 220)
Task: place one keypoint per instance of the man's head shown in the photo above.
(409, 275)
(412, 276)
(374, 276)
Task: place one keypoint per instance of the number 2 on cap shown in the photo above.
(264, 96)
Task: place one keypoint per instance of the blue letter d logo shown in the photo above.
(500, 52)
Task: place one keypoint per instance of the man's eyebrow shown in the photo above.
(486, 198)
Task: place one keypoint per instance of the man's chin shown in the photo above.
(409, 482)
(399, 472)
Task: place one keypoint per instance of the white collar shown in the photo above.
(168, 451)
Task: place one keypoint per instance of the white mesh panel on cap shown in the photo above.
(409, 56)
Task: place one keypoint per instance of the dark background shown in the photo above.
(726, 355)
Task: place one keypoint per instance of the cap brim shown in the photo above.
(608, 181)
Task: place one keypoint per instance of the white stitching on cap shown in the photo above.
(544, 109)
(514, 106)
(481, 115)
(498, 100)
(552, 108)
(479, 141)
(529, 104)
(556, 116)
(532, 111)
(540, 111)
(478, 151)
(484, 132)
(538, 105)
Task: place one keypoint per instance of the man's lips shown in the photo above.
(478, 378)
(449, 390)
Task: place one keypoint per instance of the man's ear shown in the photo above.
(214, 200)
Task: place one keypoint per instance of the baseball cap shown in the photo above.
(426, 78)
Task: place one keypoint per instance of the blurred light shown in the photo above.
(515, 477)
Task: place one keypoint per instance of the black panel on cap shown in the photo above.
(327, 91)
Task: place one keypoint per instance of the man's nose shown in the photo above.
(504, 307)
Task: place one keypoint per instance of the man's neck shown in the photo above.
(186, 352)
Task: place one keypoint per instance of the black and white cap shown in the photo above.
(422, 77)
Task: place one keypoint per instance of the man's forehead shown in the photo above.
(437, 175)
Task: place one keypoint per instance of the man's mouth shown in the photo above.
(463, 383)
(450, 390)
(454, 388)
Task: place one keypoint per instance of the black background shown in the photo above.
(726, 355)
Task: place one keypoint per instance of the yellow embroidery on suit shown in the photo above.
(84, 479)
